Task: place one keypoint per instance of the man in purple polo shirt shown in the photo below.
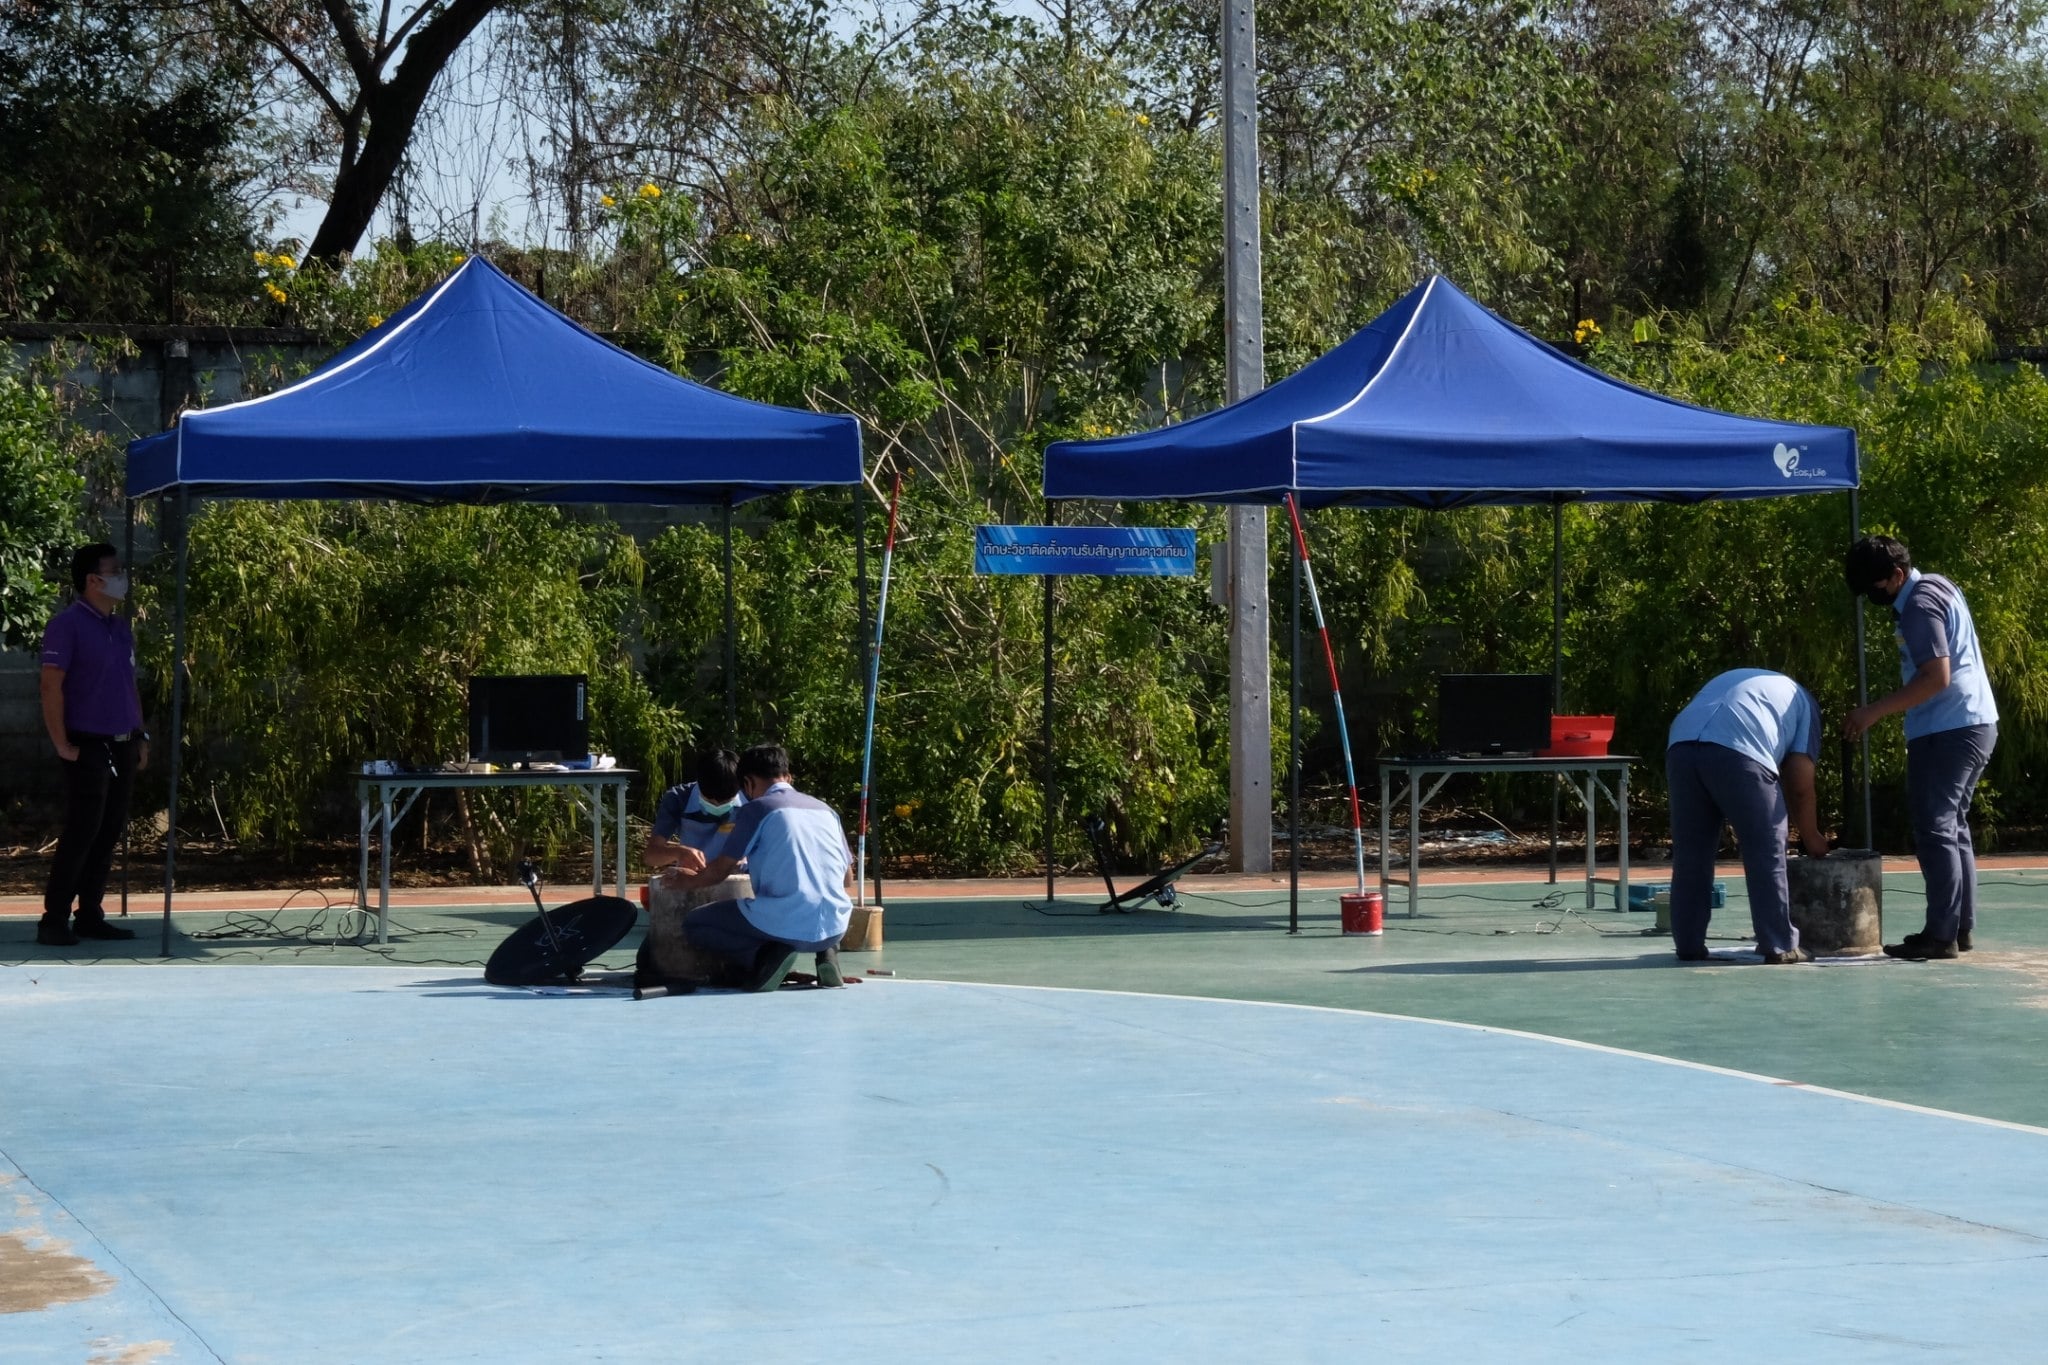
(94, 715)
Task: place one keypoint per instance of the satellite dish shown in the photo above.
(552, 948)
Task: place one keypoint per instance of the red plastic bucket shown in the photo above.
(1364, 912)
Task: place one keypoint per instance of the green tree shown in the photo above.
(320, 634)
(120, 181)
(42, 496)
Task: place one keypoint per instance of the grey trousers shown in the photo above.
(1941, 776)
(720, 930)
(1711, 786)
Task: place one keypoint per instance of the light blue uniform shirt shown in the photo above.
(1759, 714)
(796, 853)
(1934, 623)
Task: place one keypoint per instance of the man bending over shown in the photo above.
(795, 849)
(1742, 753)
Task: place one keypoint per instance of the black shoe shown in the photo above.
(1689, 955)
(1963, 944)
(52, 933)
(1786, 958)
(100, 928)
(1919, 948)
(828, 969)
(772, 963)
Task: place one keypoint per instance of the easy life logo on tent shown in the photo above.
(1786, 458)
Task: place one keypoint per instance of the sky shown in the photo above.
(469, 181)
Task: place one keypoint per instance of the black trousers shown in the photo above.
(97, 785)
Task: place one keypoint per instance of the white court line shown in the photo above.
(1581, 1045)
(1756, 1076)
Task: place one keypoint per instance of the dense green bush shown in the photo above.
(993, 235)
(320, 635)
(42, 490)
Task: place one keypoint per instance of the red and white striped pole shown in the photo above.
(1336, 692)
(867, 746)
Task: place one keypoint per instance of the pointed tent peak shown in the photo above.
(1440, 402)
(477, 390)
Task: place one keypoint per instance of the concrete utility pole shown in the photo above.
(1244, 336)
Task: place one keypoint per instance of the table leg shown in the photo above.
(384, 875)
(1386, 800)
(1556, 800)
(1414, 845)
(619, 833)
(363, 853)
(1590, 795)
(596, 794)
(1622, 807)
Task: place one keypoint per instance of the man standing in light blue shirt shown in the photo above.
(795, 850)
(1951, 729)
(1742, 753)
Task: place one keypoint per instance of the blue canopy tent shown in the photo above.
(1440, 403)
(477, 391)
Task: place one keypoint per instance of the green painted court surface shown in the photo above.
(1052, 1135)
(1970, 1035)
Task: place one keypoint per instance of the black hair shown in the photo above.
(718, 778)
(1872, 560)
(85, 562)
(769, 762)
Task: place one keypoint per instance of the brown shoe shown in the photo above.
(1789, 956)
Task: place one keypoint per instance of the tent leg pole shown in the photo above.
(732, 672)
(1294, 747)
(1862, 680)
(177, 735)
(128, 612)
(863, 642)
(1046, 728)
(1556, 659)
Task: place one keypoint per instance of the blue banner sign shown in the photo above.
(1156, 551)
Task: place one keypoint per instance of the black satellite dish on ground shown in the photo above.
(553, 949)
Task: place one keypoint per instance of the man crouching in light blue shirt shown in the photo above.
(1951, 729)
(795, 850)
(1742, 753)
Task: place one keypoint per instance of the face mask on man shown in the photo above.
(114, 585)
(715, 807)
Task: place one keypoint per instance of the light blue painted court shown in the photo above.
(399, 1163)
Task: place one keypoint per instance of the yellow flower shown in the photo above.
(284, 262)
(1144, 122)
(261, 257)
(376, 319)
(277, 295)
(746, 236)
(1781, 357)
(650, 190)
(1585, 331)
(607, 200)
(903, 812)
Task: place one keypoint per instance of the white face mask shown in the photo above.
(713, 807)
(114, 585)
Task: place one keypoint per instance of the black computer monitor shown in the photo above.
(529, 718)
(1492, 713)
